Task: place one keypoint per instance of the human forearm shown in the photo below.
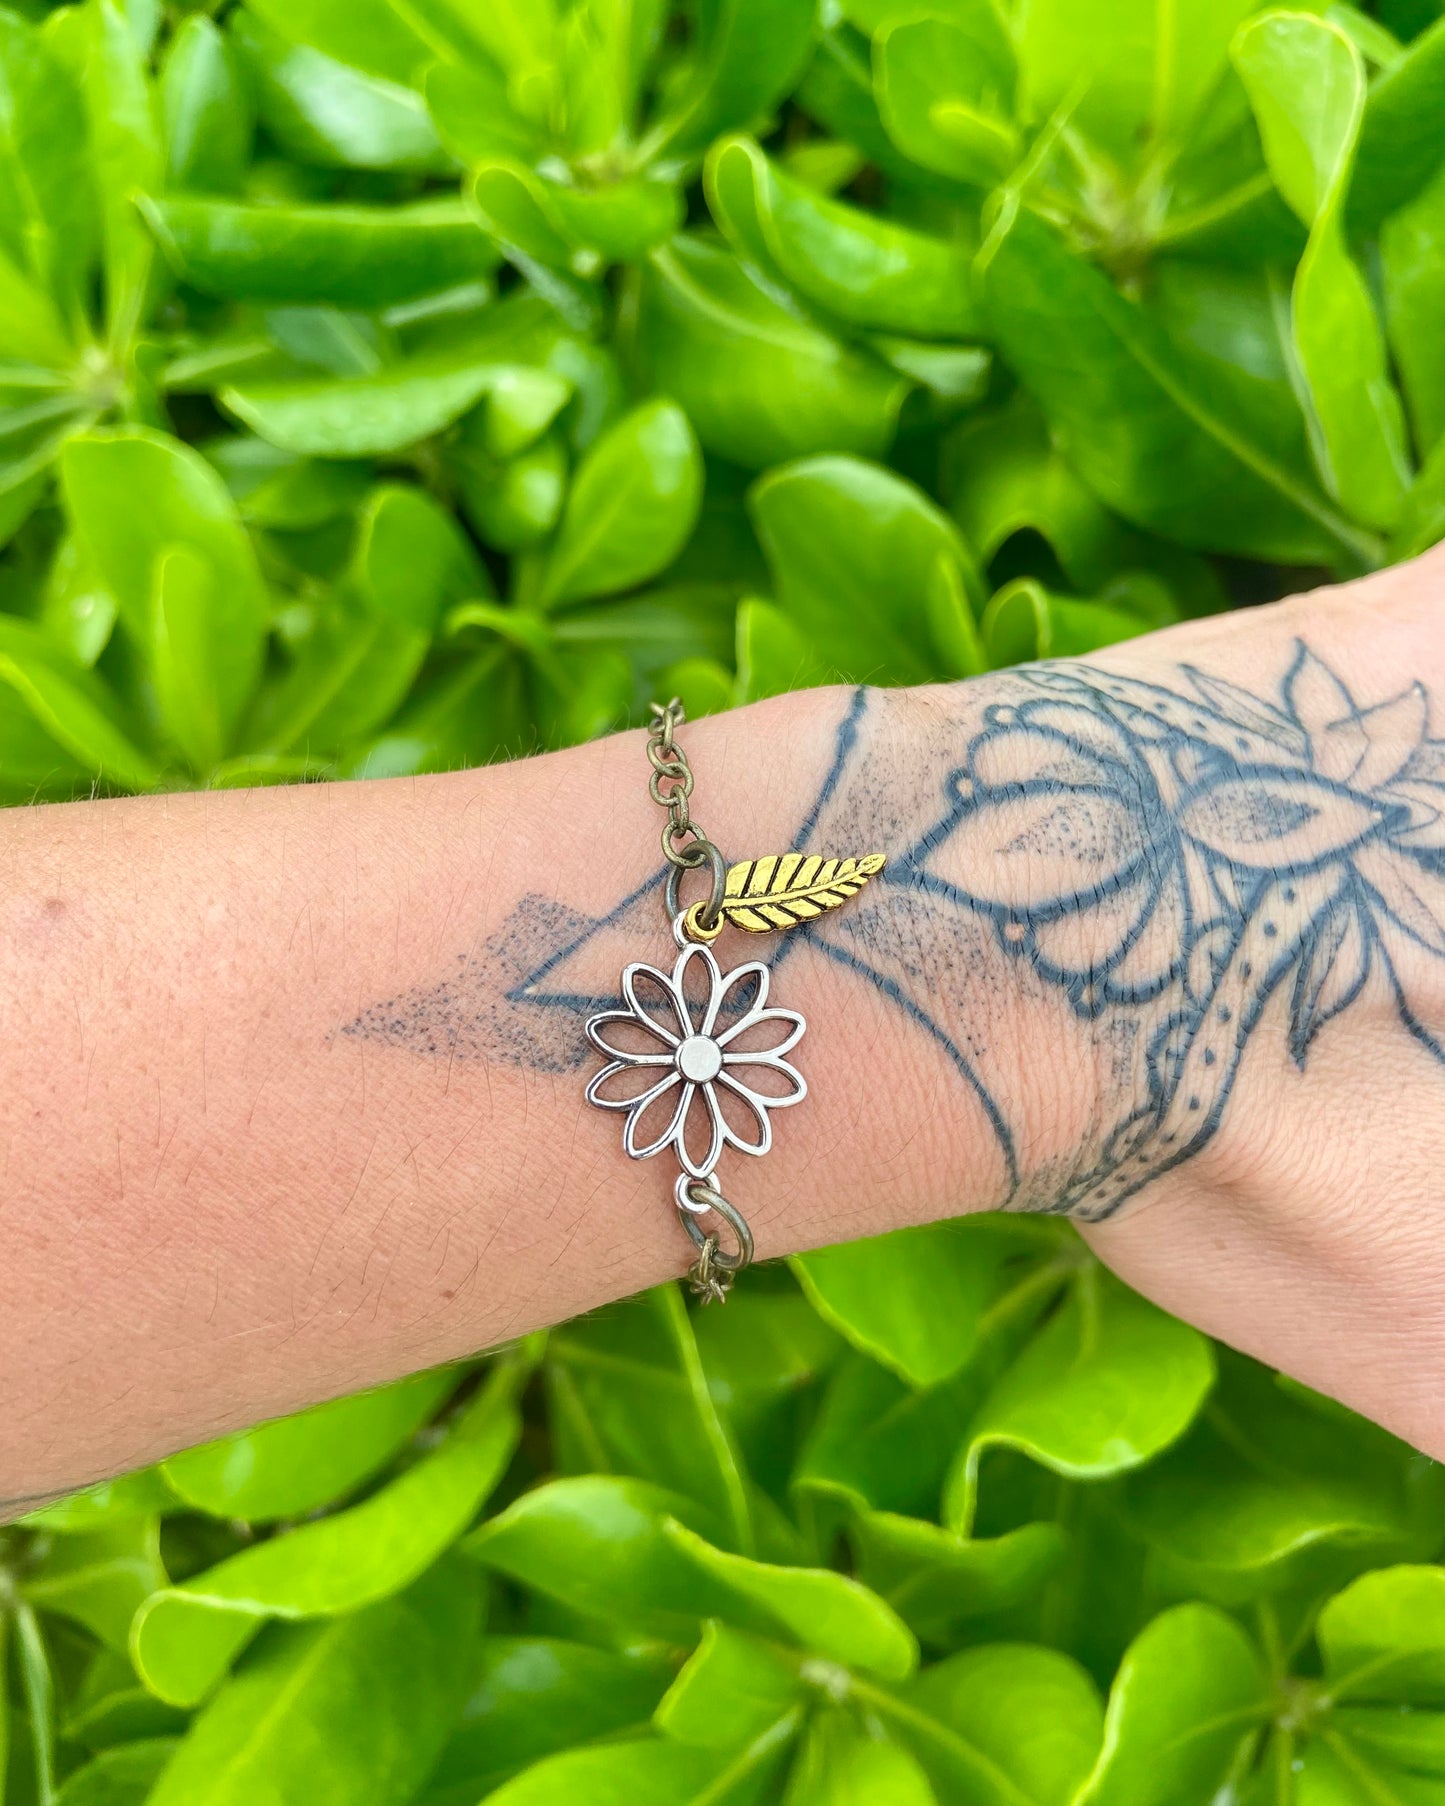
(295, 1098)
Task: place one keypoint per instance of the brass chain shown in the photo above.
(683, 842)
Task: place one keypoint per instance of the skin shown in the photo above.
(292, 1081)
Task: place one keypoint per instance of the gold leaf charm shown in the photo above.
(782, 889)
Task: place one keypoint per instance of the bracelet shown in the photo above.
(705, 1047)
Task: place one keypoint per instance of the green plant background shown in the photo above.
(392, 385)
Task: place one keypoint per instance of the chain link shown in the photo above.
(670, 786)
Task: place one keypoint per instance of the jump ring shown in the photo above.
(706, 853)
(694, 1197)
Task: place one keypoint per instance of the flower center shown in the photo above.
(699, 1059)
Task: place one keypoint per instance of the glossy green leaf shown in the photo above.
(629, 1393)
(746, 56)
(841, 1765)
(759, 382)
(48, 222)
(854, 265)
(946, 89)
(647, 1772)
(1109, 1381)
(938, 1581)
(206, 110)
(474, 116)
(182, 570)
(1306, 82)
(854, 550)
(513, 504)
(621, 1549)
(185, 1637)
(535, 1696)
(1384, 1638)
(631, 507)
(1263, 1485)
(1025, 621)
(731, 1691)
(294, 1465)
(917, 1299)
(322, 110)
(1412, 259)
(61, 727)
(123, 1776)
(773, 656)
(1189, 1690)
(1137, 74)
(361, 416)
(353, 1712)
(411, 560)
(1171, 440)
(100, 1578)
(1402, 135)
(127, 154)
(346, 256)
(1000, 1725)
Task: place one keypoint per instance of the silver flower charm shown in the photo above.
(676, 1064)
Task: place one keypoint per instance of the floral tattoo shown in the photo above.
(1160, 861)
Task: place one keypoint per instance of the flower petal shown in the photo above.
(696, 980)
(631, 1139)
(755, 1110)
(1411, 893)
(1393, 732)
(700, 1165)
(653, 998)
(786, 1025)
(1042, 850)
(622, 1085)
(1008, 757)
(1084, 943)
(782, 1072)
(1278, 819)
(655, 1046)
(1326, 711)
(731, 993)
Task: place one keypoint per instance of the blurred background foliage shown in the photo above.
(394, 385)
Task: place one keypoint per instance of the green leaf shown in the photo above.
(345, 256)
(321, 110)
(1264, 1489)
(535, 1696)
(1140, 73)
(570, 226)
(1025, 621)
(48, 220)
(1306, 82)
(100, 1578)
(353, 1712)
(632, 505)
(126, 155)
(1173, 441)
(513, 504)
(773, 656)
(123, 1776)
(747, 55)
(113, 1502)
(1189, 1690)
(474, 117)
(916, 1299)
(185, 1637)
(841, 1765)
(206, 111)
(629, 1395)
(1412, 260)
(412, 561)
(182, 571)
(65, 731)
(945, 91)
(621, 1550)
(731, 1691)
(854, 550)
(294, 1465)
(648, 1773)
(859, 267)
(362, 416)
(1402, 135)
(940, 1583)
(1005, 1725)
(1107, 1383)
(1384, 1638)
(759, 382)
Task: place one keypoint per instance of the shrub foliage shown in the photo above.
(392, 385)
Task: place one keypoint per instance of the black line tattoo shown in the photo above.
(1158, 862)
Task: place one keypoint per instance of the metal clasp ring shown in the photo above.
(701, 921)
(714, 1269)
